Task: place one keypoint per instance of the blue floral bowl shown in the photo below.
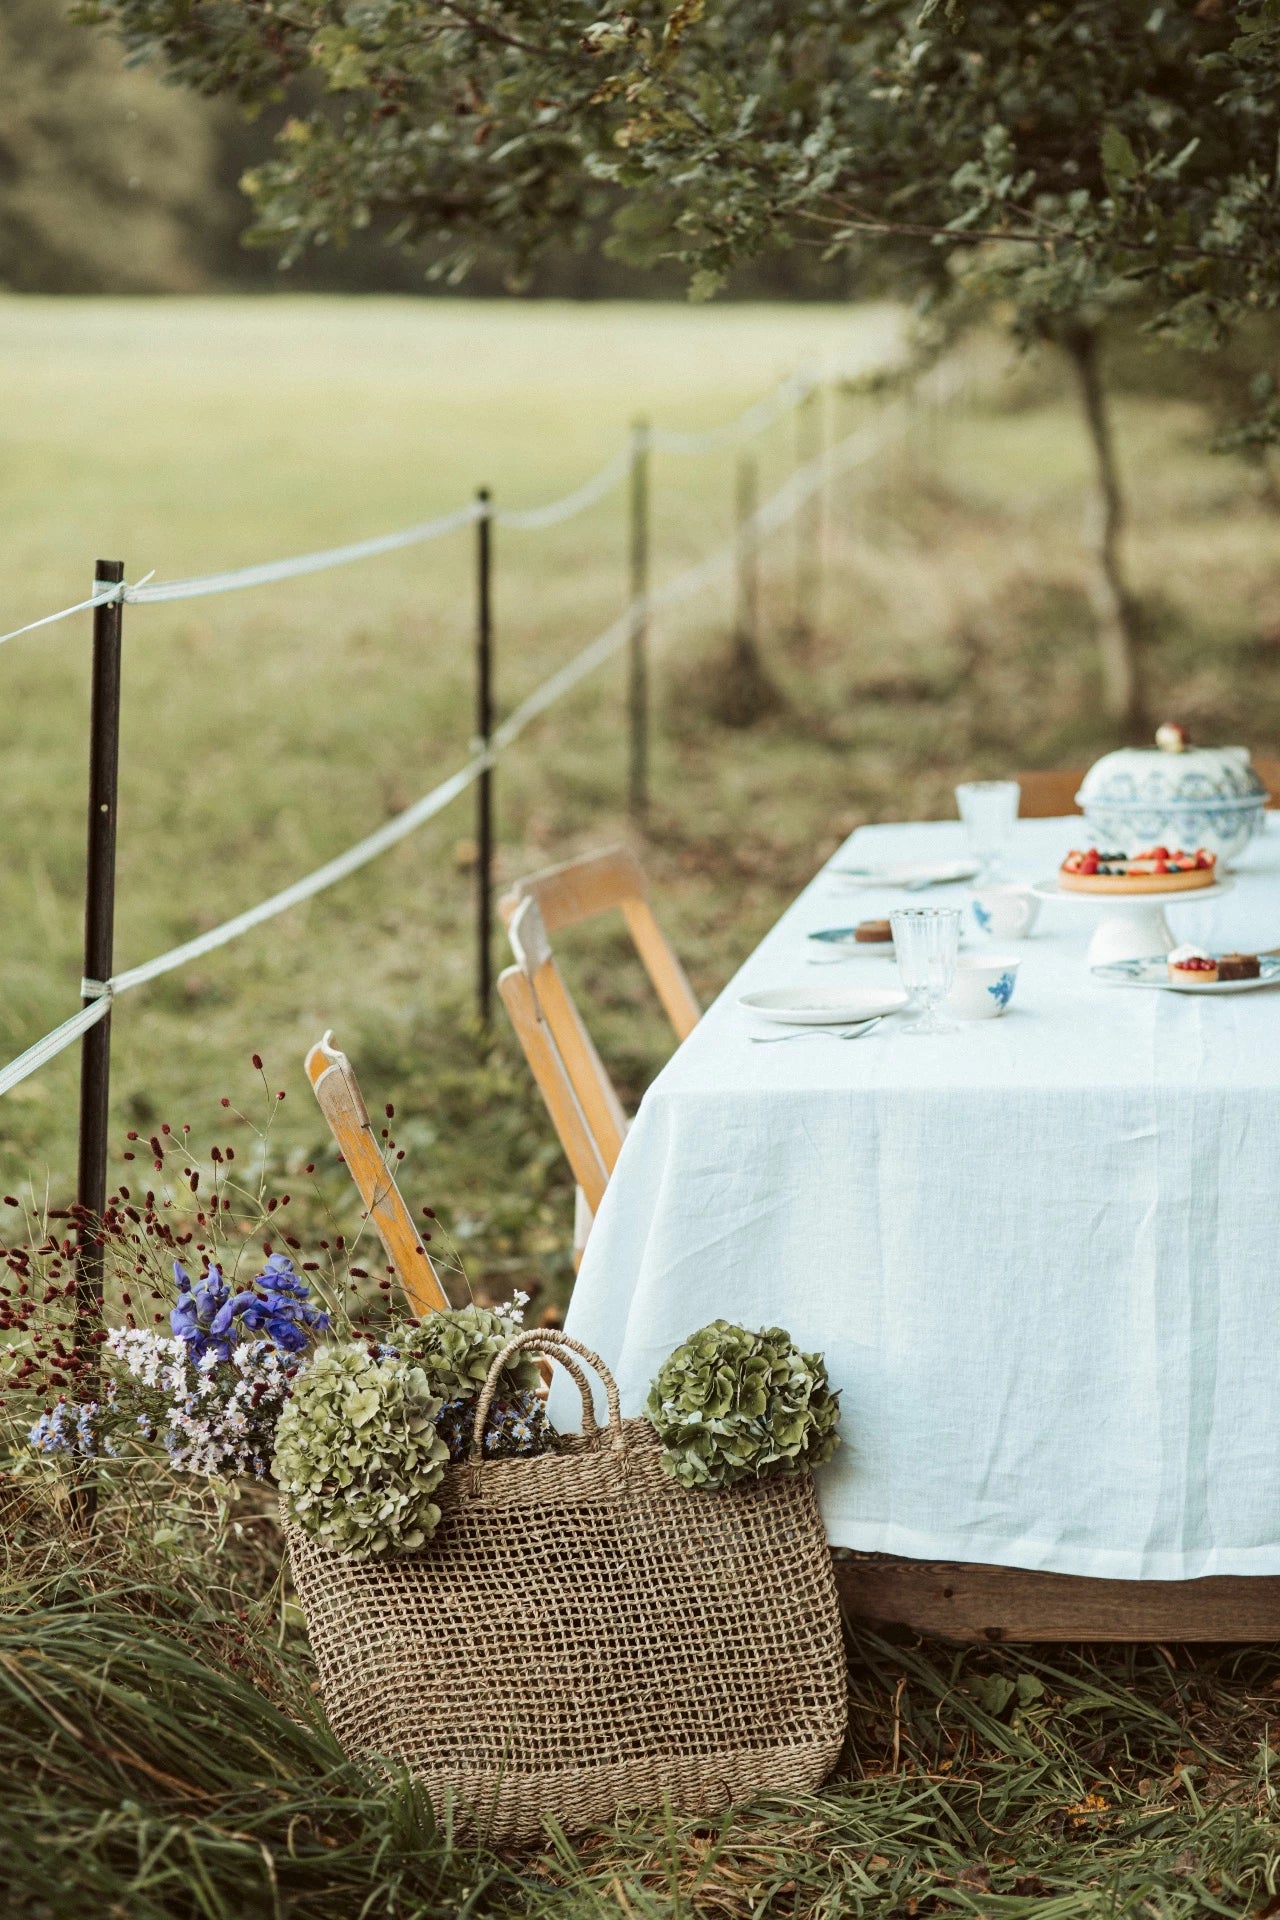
(1200, 797)
(984, 985)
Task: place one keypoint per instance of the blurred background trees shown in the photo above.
(105, 174)
(1084, 176)
(1053, 168)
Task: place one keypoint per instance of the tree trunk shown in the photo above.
(747, 693)
(1113, 605)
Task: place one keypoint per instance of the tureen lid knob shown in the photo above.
(1171, 738)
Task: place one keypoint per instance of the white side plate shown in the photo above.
(823, 1006)
(910, 873)
(1155, 973)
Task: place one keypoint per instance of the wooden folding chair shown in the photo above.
(1046, 796)
(598, 883)
(1267, 768)
(334, 1085)
(573, 1070)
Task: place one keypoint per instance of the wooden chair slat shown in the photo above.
(577, 889)
(342, 1104)
(553, 1083)
(583, 1066)
(670, 982)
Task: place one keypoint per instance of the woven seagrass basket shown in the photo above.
(583, 1635)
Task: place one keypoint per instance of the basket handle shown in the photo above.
(557, 1346)
(590, 1425)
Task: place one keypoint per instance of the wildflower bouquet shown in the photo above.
(238, 1330)
(210, 1391)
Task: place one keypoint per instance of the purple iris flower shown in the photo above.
(196, 1310)
(283, 1312)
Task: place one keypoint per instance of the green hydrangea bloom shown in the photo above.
(456, 1349)
(731, 1405)
(357, 1453)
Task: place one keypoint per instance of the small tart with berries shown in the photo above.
(1194, 965)
(1156, 871)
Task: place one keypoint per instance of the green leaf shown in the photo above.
(1119, 161)
(992, 1692)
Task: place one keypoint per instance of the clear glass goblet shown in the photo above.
(926, 941)
(989, 809)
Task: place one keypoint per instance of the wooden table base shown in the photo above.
(959, 1601)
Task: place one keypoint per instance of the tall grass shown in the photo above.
(163, 1755)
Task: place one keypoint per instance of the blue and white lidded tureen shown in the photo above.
(1176, 795)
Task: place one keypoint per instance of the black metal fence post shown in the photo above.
(99, 943)
(638, 641)
(484, 732)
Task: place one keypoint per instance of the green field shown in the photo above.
(163, 1755)
(266, 730)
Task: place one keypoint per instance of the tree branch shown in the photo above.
(488, 31)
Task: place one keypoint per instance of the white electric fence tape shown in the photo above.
(754, 420)
(855, 450)
(301, 563)
(105, 592)
(534, 519)
(53, 1043)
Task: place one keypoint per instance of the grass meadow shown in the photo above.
(163, 1753)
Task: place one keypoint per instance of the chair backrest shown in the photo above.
(599, 882)
(1045, 796)
(1267, 768)
(554, 1084)
(582, 1066)
(342, 1104)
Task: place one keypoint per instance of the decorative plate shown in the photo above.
(912, 874)
(1155, 973)
(844, 937)
(823, 1006)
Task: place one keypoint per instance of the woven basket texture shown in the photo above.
(582, 1635)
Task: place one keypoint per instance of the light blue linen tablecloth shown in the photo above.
(1041, 1254)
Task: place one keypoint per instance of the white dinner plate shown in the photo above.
(823, 1006)
(1155, 973)
(913, 874)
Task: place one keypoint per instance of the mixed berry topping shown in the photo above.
(1154, 860)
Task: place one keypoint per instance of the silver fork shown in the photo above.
(815, 1033)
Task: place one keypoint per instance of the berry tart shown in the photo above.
(1156, 871)
(1196, 968)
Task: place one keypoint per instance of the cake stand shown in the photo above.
(1132, 926)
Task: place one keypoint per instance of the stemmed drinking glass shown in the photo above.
(989, 809)
(926, 941)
